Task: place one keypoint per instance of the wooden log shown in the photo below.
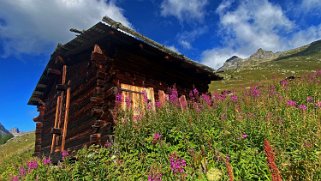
(97, 100)
(64, 133)
(56, 131)
(52, 71)
(61, 87)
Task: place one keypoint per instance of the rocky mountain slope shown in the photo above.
(3, 131)
(261, 56)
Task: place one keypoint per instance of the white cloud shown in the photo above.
(185, 39)
(184, 10)
(308, 5)
(256, 24)
(33, 26)
(185, 44)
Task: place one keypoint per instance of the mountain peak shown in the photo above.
(262, 54)
(3, 130)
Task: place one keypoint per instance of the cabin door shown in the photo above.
(137, 99)
(59, 131)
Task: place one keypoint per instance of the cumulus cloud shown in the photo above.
(33, 26)
(184, 10)
(308, 5)
(252, 25)
(173, 48)
(186, 38)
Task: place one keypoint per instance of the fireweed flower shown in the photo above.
(156, 138)
(284, 83)
(254, 91)
(15, 178)
(244, 136)
(177, 164)
(32, 165)
(302, 107)
(207, 99)
(46, 161)
(318, 104)
(64, 154)
(195, 92)
(108, 144)
(309, 99)
(155, 177)
(119, 98)
(291, 103)
(157, 104)
(22, 171)
(234, 98)
(173, 97)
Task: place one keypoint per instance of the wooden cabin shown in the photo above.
(75, 95)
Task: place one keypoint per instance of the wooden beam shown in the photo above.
(97, 49)
(41, 86)
(64, 133)
(53, 141)
(53, 71)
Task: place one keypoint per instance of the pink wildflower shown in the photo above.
(157, 104)
(155, 177)
(32, 165)
(177, 164)
(173, 97)
(284, 83)
(291, 103)
(119, 98)
(15, 178)
(302, 107)
(22, 171)
(234, 98)
(207, 99)
(244, 136)
(64, 154)
(195, 92)
(254, 91)
(156, 138)
(46, 161)
(318, 104)
(309, 99)
(108, 144)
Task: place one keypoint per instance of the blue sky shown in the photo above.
(208, 31)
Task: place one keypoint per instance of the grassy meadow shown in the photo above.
(268, 131)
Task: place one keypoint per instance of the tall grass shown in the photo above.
(245, 135)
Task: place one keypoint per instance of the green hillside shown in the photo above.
(14, 153)
(294, 62)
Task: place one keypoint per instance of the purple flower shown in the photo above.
(108, 144)
(156, 138)
(284, 83)
(119, 98)
(157, 104)
(155, 177)
(309, 99)
(22, 171)
(173, 97)
(254, 91)
(195, 92)
(177, 164)
(302, 107)
(46, 161)
(234, 98)
(207, 99)
(291, 103)
(15, 178)
(244, 136)
(32, 165)
(64, 154)
(318, 104)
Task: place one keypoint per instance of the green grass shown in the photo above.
(204, 136)
(14, 153)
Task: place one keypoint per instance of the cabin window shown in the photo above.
(137, 99)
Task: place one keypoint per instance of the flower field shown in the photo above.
(266, 132)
